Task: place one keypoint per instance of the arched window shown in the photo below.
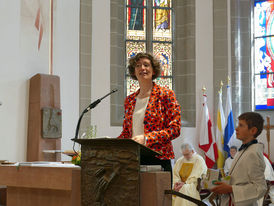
(263, 54)
(149, 28)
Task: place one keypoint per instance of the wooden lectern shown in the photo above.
(110, 171)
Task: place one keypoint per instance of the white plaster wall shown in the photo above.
(66, 65)
(100, 82)
(15, 72)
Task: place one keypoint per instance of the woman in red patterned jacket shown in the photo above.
(152, 114)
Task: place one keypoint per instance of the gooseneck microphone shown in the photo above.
(94, 104)
(91, 106)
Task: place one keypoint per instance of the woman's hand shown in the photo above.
(140, 139)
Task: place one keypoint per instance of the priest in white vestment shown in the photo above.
(187, 170)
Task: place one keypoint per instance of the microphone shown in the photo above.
(91, 106)
(95, 103)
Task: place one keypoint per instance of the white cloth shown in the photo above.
(247, 177)
(268, 172)
(269, 175)
(189, 188)
(138, 116)
(228, 163)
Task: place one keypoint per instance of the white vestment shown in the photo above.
(228, 163)
(269, 175)
(247, 177)
(190, 187)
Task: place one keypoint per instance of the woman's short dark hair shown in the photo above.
(154, 63)
(253, 119)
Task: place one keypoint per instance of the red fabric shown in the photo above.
(162, 122)
(268, 158)
(270, 102)
(206, 140)
(209, 162)
(230, 201)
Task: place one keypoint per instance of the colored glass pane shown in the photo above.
(136, 34)
(136, 3)
(163, 52)
(162, 3)
(264, 95)
(263, 18)
(164, 82)
(134, 47)
(264, 56)
(132, 85)
(162, 18)
(136, 20)
(135, 15)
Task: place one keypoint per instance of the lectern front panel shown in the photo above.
(110, 173)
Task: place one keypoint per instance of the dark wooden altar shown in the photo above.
(110, 172)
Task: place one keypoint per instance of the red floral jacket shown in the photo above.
(162, 122)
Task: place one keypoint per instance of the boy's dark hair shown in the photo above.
(253, 119)
(155, 64)
(234, 147)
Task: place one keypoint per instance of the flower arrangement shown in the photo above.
(76, 159)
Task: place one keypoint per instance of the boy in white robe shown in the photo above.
(247, 182)
(186, 171)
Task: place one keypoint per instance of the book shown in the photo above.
(35, 163)
(150, 168)
(211, 177)
(46, 164)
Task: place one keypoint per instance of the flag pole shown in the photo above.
(204, 89)
(221, 87)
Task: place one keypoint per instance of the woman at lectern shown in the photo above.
(152, 114)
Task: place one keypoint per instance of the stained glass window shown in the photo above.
(264, 54)
(149, 29)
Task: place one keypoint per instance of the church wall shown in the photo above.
(100, 82)
(17, 66)
(101, 67)
(204, 71)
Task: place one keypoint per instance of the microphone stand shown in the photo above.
(91, 106)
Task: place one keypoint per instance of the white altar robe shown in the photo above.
(269, 175)
(189, 188)
(247, 177)
(227, 166)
